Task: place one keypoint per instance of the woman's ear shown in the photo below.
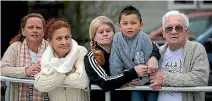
(94, 39)
(43, 34)
(49, 41)
(22, 31)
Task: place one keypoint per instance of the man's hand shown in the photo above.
(156, 80)
(152, 64)
(156, 88)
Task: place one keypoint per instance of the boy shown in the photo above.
(133, 47)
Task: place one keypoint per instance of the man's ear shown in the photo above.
(163, 32)
(187, 29)
(119, 25)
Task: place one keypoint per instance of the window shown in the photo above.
(182, 4)
(205, 4)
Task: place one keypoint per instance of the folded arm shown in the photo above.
(48, 80)
(79, 78)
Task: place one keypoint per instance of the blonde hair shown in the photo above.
(95, 23)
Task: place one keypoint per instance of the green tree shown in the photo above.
(81, 13)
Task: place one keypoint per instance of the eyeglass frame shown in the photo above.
(174, 28)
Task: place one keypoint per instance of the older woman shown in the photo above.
(62, 64)
(21, 60)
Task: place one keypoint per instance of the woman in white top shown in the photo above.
(62, 64)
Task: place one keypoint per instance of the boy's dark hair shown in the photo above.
(130, 10)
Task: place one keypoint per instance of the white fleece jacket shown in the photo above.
(53, 75)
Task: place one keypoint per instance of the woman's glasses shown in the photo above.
(177, 28)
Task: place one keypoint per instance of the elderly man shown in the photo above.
(183, 63)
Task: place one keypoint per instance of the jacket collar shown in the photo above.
(100, 48)
(186, 49)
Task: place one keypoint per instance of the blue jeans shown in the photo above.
(139, 96)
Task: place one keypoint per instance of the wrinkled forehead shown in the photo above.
(174, 20)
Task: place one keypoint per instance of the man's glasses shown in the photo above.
(177, 28)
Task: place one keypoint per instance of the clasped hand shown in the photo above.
(33, 69)
(156, 78)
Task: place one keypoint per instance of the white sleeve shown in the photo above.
(46, 82)
(79, 78)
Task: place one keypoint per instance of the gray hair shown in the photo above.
(175, 13)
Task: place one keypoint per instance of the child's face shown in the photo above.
(130, 25)
(104, 35)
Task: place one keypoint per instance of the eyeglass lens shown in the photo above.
(177, 28)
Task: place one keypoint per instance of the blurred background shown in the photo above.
(80, 13)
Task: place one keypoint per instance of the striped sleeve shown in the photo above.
(97, 75)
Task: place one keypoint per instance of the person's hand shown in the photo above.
(156, 88)
(131, 84)
(33, 69)
(152, 64)
(73, 69)
(156, 80)
(141, 70)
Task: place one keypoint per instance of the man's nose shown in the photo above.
(173, 31)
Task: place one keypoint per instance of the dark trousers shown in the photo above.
(99, 95)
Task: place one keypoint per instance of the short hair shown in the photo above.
(54, 24)
(175, 13)
(130, 10)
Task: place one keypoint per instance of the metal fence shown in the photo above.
(107, 94)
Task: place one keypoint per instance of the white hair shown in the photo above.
(175, 13)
